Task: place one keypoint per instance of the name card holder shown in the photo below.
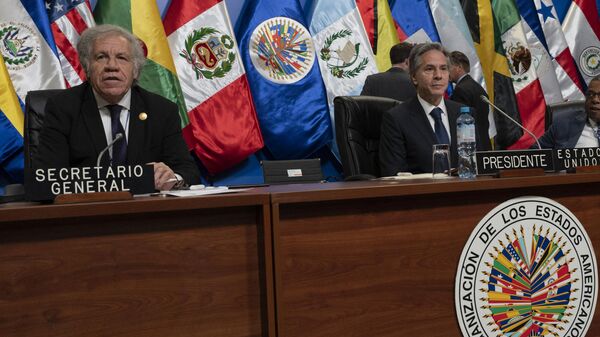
(522, 163)
(88, 184)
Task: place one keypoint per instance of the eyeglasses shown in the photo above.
(592, 94)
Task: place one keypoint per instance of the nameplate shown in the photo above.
(568, 159)
(491, 162)
(47, 183)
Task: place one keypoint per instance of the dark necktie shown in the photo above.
(440, 131)
(119, 151)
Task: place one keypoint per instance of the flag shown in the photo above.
(142, 19)
(454, 35)
(555, 65)
(386, 35)
(494, 64)
(68, 19)
(28, 48)
(529, 95)
(343, 49)
(223, 129)
(288, 92)
(11, 129)
(415, 20)
(580, 23)
(367, 14)
(342, 46)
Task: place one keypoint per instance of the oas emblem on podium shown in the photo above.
(528, 269)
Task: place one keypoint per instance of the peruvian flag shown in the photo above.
(223, 129)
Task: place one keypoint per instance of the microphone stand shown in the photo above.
(487, 101)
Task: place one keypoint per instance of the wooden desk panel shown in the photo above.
(380, 259)
(176, 267)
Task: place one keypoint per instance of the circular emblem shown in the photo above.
(209, 52)
(282, 50)
(528, 269)
(519, 61)
(590, 61)
(143, 116)
(342, 56)
(18, 44)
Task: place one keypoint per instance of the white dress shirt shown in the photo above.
(588, 135)
(125, 104)
(428, 107)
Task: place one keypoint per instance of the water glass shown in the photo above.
(441, 161)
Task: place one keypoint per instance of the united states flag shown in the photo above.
(69, 18)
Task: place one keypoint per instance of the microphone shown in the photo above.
(487, 101)
(118, 137)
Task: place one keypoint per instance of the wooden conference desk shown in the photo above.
(153, 267)
(380, 259)
(351, 259)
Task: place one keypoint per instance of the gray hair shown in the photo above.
(85, 46)
(415, 58)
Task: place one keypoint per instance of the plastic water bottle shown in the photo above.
(465, 138)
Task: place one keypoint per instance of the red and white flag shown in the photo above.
(223, 128)
(581, 25)
(68, 19)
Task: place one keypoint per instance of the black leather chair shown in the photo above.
(35, 105)
(357, 127)
(554, 111)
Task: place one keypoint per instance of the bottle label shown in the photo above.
(466, 133)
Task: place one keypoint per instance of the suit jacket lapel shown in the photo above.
(92, 120)
(421, 122)
(137, 128)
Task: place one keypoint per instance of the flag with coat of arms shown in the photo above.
(288, 92)
(223, 129)
(28, 48)
(555, 65)
(580, 22)
(342, 47)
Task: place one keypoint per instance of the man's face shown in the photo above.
(592, 101)
(431, 78)
(111, 67)
(455, 72)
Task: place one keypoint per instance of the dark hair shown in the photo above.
(400, 52)
(459, 59)
(414, 61)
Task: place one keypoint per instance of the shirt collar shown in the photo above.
(428, 107)
(125, 102)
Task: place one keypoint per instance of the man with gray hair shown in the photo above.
(82, 120)
(409, 131)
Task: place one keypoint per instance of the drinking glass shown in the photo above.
(441, 161)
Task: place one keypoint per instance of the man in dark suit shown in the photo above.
(394, 83)
(468, 92)
(81, 121)
(579, 129)
(409, 130)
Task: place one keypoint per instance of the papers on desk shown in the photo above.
(408, 175)
(196, 190)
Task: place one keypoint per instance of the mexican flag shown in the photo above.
(530, 98)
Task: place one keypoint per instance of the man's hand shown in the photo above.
(164, 177)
